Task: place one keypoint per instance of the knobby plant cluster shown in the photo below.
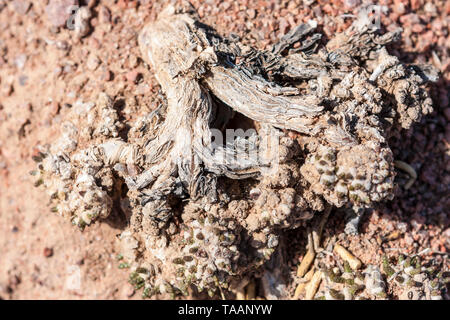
(206, 211)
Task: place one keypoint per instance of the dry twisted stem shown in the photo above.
(343, 99)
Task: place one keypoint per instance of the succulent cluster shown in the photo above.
(402, 277)
(414, 279)
(350, 284)
(359, 174)
(208, 215)
(79, 180)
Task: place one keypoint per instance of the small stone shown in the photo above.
(226, 6)
(349, 4)
(418, 28)
(255, 193)
(20, 61)
(133, 76)
(437, 26)
(410, 19)
(408, 239)
(54, 30)
(416, 4)
(68, 68)
(54, 108)
(317, 10)
(251, 13)
(106, 75)
(283, 26)
(93, 62)
(125, 4)
(59, 11)
(143, 88)
(426, 40)
(62, 45)
(23, 80)
(91, 3)
(21, 6)
(399, 8)
(94, 43)
(48, 252)
(128, 291)
(133, 60)
(104, 15)
(94, 21)
(430, 8)
(7, 89)
(15, 280)
(81, 20)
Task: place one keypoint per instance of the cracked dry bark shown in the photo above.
(194, 220)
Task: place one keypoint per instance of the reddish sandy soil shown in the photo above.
(44, 69)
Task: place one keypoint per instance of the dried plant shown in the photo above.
(209, 214)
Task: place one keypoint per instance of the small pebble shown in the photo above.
(104, 15)
(133, 76)
(58, 11)
(20, 61)
(251, 13)
(57, 71)
(54, 108)
(93, 62)
(133, 60)
(92, 3)
(416, 4)
(349, 4)
(128, 291)
(106, 75)
(430, 8)
(7, 89)
(23, 80)
(48, 252)
(62, 45)
(418, 28)
(399, 8)
(21, 6)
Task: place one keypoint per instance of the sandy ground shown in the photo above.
(44, 69)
